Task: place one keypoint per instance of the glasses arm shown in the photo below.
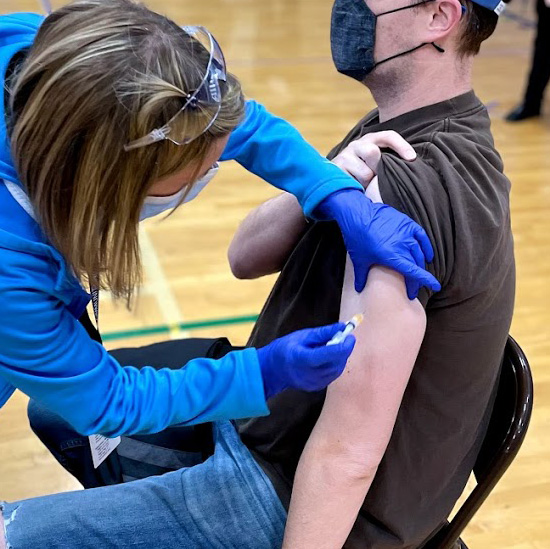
(159, 134)
(46, 6)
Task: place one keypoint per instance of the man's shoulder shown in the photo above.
(454, 144)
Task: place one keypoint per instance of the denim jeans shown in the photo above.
(138, 456)
(225, 502)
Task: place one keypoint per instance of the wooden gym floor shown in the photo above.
(280, 50)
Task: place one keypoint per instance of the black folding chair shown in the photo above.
(505, 434)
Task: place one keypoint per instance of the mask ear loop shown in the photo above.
(438, 48)
(404, 8)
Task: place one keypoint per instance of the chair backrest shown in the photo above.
(505, 434)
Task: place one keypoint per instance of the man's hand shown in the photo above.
(373, 234)
(360, 158)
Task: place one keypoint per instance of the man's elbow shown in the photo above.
(356, 464)
(249, 262)
(359, 468)
(240, 262)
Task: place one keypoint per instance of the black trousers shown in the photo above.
(540, 70)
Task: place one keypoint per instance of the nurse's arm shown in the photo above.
(267, 236)
(48, 355)
(274, 150)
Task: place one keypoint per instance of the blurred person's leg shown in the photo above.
(540, 69)
(540, 72)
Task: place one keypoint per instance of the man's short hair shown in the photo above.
(479, 24)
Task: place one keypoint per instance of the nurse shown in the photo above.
(111, 114)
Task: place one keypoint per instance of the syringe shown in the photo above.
(350, 326)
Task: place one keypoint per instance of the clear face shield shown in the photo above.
(207, 97)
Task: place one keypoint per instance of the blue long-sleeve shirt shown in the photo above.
(46, 353)
(271, 148)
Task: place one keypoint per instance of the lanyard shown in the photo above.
(94, 292)
(23, 200)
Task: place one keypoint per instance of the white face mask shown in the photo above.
(155, 205)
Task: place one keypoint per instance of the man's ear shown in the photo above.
(446, 16)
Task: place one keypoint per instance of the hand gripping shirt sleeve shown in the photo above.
(46, 353)
(417, 190)
(274, 150)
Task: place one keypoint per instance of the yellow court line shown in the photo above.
(159, 286)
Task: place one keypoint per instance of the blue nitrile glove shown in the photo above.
(376, 234)
(302, 361)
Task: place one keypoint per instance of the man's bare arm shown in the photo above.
(348, 442)
(266, 238)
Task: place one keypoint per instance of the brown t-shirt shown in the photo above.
(456, 190)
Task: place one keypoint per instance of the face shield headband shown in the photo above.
(207, 96)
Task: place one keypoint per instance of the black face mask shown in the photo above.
(353, 34)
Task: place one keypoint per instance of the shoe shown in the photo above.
(522, 112)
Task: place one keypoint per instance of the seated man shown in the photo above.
(380, 458)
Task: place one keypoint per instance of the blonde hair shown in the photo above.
(99, 74)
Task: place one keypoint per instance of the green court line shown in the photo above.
(166, 329)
